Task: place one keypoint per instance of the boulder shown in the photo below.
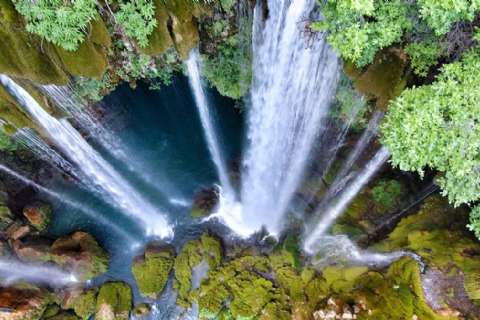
(80, 254)
(38, 215)
(6, 217)
(142, 310)
(151, 270)
(81, 301)
(204, 202)
(23, 303)
(114, 302)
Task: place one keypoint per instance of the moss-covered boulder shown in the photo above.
(6, 217)
(38, 215)
(82, 302)
(23, 302)
(62, 316)
(114, 302)
(160, 40)
(208, 249)
(152, 269)
(80, 253)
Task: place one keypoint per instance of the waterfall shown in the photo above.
(294, 81)
(115, 188)
(71, 203)
(207, 122)
(336, 208)
(12, 271)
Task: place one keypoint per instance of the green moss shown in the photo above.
(160, 40)
(83, 304)
(63, 316)
(114, 301)
(51, 311)
(437, 234)
(192, 254)
(387, 195)
(23, 55)
(151, 270)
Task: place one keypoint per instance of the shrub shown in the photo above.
(137, 17)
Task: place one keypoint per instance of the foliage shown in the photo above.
(60, 22)
(6, 143)
(474, 225)
(91, 88)
(359, 29)
(386, 194)
(114, 301)
(228, 71)
(423, 56)
(440, 15)
(137, 17)
(436, 126)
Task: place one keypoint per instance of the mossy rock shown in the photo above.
(81, 302)
(38, 215)
(159, 40)
(142, 310)
(63, 316)
(24, 302)
(208, 249)
(114, 301)
(151, 271)
(24, 55)
(382, 80)
(6, 217)
(12, 113)
(90, 59)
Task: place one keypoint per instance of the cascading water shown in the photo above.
(294, 81)
(71, 203)
(315, 234)
(115, 189)
(12, 271)
(207, 123)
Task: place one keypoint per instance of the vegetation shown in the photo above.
(62, 23)
(114, 301)
(137, 17)
(436, 126)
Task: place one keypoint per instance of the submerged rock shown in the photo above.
(142, 310)
(152, 269)
(114, 302)
(38, 214)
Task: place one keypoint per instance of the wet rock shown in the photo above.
(6, 217)
(114, 302)
(38, 214)
(81, 301)
(151, 270)
(80, 254)
(205, 202)
(17, 231)
(142, 310)
(35, 251)
(23, 303)
(62, 316)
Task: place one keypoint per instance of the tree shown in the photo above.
(359, 29)
(137, 17)
(60, 22)
(438, 126)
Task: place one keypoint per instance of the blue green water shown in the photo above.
(163, 135)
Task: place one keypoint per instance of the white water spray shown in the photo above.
(294, 81)
(71, 203)
(115, 189)
(12, 271)
(334, 210)
(207, 122)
